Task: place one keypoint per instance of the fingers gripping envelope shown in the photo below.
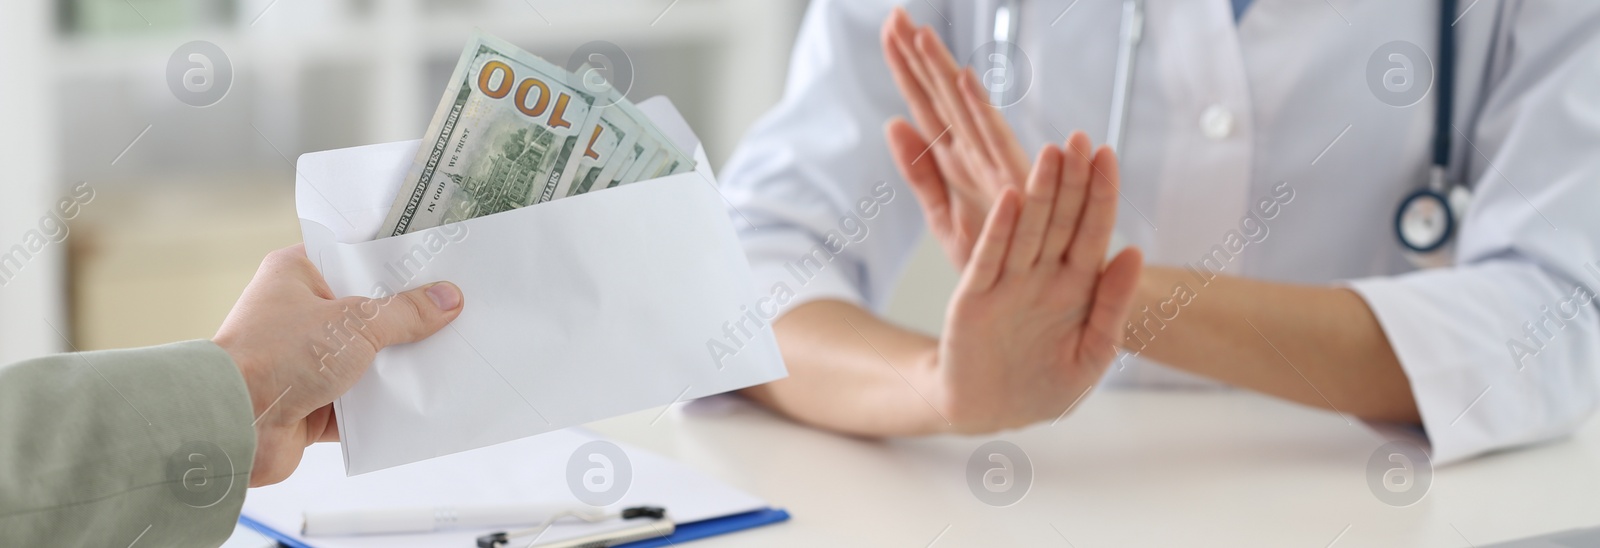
(576, 309)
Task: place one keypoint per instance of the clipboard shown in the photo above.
(527, 470)
(685, 532)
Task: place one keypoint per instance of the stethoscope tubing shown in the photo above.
(1129, 36)
(1439, 185)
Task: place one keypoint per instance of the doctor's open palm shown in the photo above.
(961, 153)
(1035, 321)
(1038, 314)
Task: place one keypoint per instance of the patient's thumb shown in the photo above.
(416, 314)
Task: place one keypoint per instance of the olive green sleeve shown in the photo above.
(106, 448)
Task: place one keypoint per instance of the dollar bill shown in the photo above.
(670, 155)
(634, 154)
(611, 161)
(646, 166)
(505, 135)
(649, 136)
(612, 135)
(514, 130)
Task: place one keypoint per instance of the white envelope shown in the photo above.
(576, 310)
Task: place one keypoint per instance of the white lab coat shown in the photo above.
(1221, 115)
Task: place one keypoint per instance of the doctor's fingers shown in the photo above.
(922, 172)
(962, 177)
(1075, 176)
(934, 168)
(942, 75)
(1113, 296)
(897, 32)
(957, 127)
(996, 134)
(1039, 199)
(1088, 248)
(989, 254)
(941, 121)
(981, 128)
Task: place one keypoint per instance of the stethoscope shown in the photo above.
(1426, 218)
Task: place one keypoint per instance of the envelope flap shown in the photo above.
(661, 111)
(350, 190)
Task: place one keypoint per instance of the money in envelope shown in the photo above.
(604, 302)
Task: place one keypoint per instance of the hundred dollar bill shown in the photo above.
(679, 161)
(649, 135)
(647, 166)
(633, 155)
(507, 134)
(612, 136)
(622, 137)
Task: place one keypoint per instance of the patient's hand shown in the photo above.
(1035, 320)
(299, 348)
(961, 154)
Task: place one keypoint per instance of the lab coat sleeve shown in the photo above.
(149, 446)
(1502, 349)
(820, 208)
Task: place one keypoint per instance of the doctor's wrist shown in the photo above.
(1157, 287)
(930, 380)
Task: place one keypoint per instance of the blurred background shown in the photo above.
(187, 199)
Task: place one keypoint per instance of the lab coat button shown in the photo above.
(1216, 122)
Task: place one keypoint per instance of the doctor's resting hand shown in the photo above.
(159, 444)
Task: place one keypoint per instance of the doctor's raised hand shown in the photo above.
(1321, 315)
(960, 154)
(1351, 368)
(1032, 326)
(1035, 320)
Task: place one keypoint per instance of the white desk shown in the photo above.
(1126, 469)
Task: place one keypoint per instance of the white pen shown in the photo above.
(425, 519)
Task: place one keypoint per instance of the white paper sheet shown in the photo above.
(525, 471)
(578, 309)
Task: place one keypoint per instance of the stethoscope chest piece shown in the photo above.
(1427, 222)
(1424, 221)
